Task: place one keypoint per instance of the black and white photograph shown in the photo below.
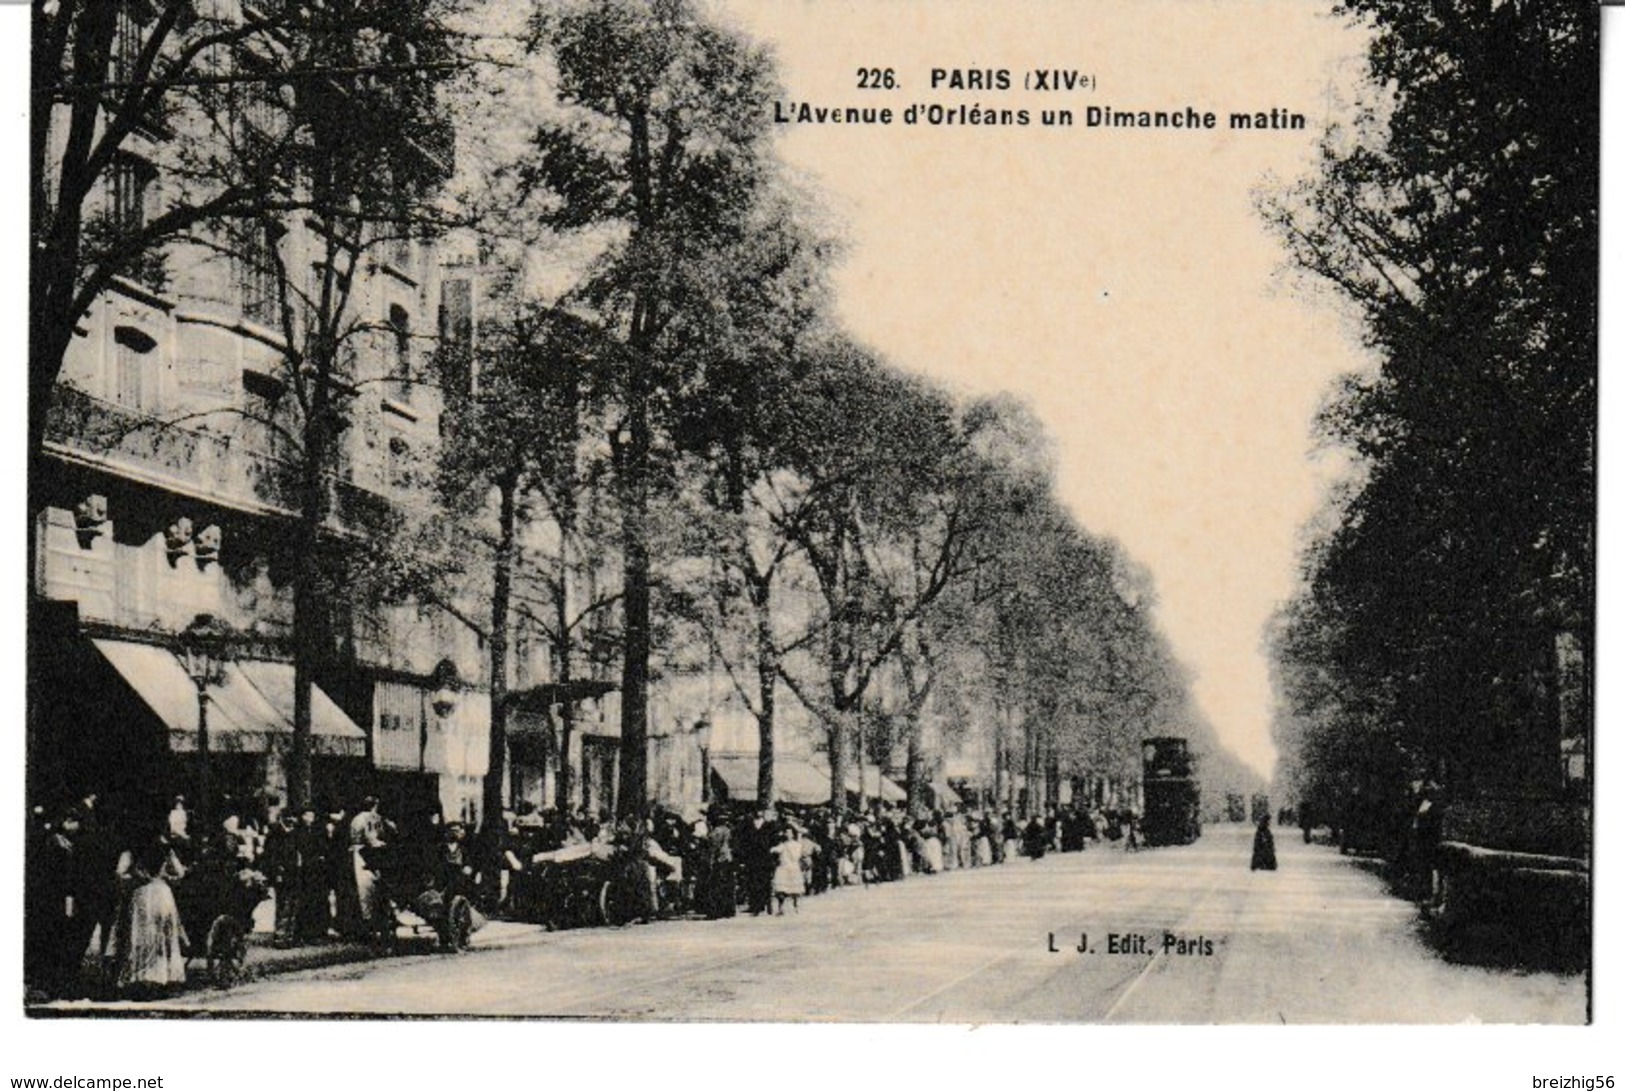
(682, 515)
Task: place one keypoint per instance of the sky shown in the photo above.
(1120, 280)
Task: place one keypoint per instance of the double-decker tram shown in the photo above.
(1173, 798)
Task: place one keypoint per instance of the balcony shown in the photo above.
(196, 461)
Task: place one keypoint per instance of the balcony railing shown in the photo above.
(185, 457)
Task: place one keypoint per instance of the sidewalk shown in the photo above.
(266, 960)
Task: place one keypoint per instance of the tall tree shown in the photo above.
(1458, 218)
(517, 435)
(757, 365)
(361, 157)
(659, 150)
(890, 527)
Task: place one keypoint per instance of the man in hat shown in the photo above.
(178, 824)
(312, 911)
(280, 862)
(720, 892)
(52, 929)
(756, 840)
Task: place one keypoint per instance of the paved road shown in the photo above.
(1316, 942)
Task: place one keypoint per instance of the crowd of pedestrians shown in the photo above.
(107, 892)
(99, 887)
(763, 860)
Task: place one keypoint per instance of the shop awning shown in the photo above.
(540, 699)
(876, 785)
(331, 731)
(252, 705)
(946, 796)
(795, 780)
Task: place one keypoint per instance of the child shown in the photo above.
(787, 878)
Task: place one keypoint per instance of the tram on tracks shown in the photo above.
(1173, 796)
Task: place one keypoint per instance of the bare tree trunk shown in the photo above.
(916, 765)
(840, 737)
(307, 596)
(1001, 714)
(767, 679)
(631, 801)
(565, 782)
(501, 600)
(1052, 773)
(1029, 768)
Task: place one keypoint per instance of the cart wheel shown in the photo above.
(1446, 908)
(226, 951)
(612, 907)
(459, 930)
(581, 910)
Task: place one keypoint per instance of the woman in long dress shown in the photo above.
(148, 949)
(982, 849)
(932, 851)
(1264, 846)
(787, 878)
(368, 837)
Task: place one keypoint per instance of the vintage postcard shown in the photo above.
(811, 511)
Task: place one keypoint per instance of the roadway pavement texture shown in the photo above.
(1182, 935)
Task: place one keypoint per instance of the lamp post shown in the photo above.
(702, 736)
(202, 648)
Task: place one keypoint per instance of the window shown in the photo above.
(129, 378)
(131, 25)
(127, 42)
(398, 250)
(128, 177)
(255, 98)
(262, 397)
(522, 654)
(400, 325)
(256, 274)
(338, 457)
(132, 357)
(457, 335)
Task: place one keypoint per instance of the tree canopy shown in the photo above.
(1458, 217)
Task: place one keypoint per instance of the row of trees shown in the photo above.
(782, 505)
(676, 462)
(1445, 621)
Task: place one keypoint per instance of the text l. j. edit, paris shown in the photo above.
(1135, 943)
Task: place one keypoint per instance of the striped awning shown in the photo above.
(875, 785)
(249, 710)
(795, 780)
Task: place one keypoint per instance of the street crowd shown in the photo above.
(765, 859)
(115, 908)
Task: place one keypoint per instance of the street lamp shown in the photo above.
(203, 648)
(702, 736)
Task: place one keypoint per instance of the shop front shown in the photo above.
(150, 729)
(431, 746)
